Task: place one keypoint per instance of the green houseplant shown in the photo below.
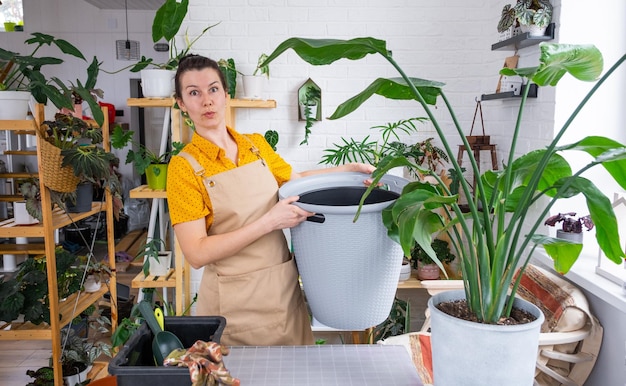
(253, 84)
(145, 160)
(499, 226)
(309, 107)
(25, 74)
(420, 259)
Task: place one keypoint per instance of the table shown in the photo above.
(328, 365)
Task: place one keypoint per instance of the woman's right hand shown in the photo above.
(286, 215)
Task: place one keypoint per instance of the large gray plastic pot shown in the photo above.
(349, 270)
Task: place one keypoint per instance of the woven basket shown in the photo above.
(55, 177)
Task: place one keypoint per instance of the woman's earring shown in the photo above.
(188, 120)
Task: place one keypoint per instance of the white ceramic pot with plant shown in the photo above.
(253, 85)
(21, 215)
(161, 265)
(14, 105)
(157, 83)
(92, 283)
(505, 212)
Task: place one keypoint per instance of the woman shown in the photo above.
(222, 194)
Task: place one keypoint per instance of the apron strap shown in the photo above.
(197, 168)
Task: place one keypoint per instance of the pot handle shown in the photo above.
(317, 217)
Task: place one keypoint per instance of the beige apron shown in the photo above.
(257, 290)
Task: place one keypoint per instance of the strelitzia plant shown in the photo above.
(498, 234)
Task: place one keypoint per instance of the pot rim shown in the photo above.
(308, 184)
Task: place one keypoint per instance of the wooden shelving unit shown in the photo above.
(53, 220)
(179, 276)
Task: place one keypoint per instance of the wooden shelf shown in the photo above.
(166, 281)
(143, 191)
(66, 311)
(28, 126)
(19, 175)
(20, 152)
(523, 40)
(22, 249)
(8, 228)
(11, 197)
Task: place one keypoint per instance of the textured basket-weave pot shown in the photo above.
(55, 177)
(349, 270)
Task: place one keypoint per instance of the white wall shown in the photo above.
(446, 40)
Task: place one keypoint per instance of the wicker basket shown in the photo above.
(55, 177)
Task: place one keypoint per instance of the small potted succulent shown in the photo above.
(572, 228)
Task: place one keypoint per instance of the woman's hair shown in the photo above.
(196, 62)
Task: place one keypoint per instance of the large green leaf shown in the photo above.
(326, 51)
(564, 253)
(584, 62)
(394, 88)
(168, 19)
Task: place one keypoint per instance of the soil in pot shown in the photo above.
(459, 310)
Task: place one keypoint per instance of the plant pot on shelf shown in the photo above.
(9, 26)
(161, 267)
(533, 30)
(77, 374)
(55, 177)
(576, 237)
(349, 269)
(157, 83)
(485, 354)
(21, 215)
(84, 198)
(156, 176)
(253, 86)
(14, 105)
(405, 270)
(427, 271)
(92, 283)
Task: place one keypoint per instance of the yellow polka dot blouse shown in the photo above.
(187, 197)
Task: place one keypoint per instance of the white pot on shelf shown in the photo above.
(21, 215)
(534, 30)
(92, 283)
(253, 86)
(14, 105)
(161, 267)
(157, 83)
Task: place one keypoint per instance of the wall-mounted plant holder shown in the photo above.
(310, 94)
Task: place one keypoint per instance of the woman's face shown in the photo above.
(204, 98)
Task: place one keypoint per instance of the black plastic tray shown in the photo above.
(134, 364)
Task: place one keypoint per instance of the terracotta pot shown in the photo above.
(427, 271)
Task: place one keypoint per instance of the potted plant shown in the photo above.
(25, 78)
(309, 108)
(73, 157)
(572, 228)
(427, 268)
(95, 272)
(494, 239)
(229, 69)
(79, 353)
(372, 152)
(156, 261)
(26, 293)
(157, 79)
(534, 16)
(253, 84)
(145, 160)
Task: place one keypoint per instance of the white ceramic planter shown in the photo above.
(77, 378)
(571, 236)
(14, 105)
(253, 86)
(157, 83)
(161, 267)
(92, 284)
(21, 215)
(469, 353)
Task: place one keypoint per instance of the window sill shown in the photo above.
(583, 274)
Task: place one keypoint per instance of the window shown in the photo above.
(11, 11)
(614, 272)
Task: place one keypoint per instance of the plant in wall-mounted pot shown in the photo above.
(24, 77)
(493, 239)
(157, 79)
(145, 160)
(572, 227)
(309, 108)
